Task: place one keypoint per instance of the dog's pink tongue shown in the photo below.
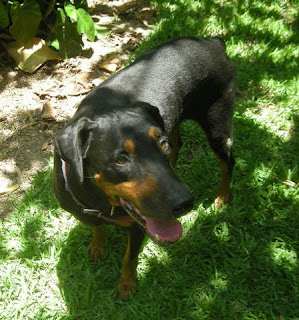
(168, 231)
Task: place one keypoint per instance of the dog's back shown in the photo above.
(171, 76)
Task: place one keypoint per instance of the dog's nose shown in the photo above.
(183, 205)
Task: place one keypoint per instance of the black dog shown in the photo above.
(114, 160)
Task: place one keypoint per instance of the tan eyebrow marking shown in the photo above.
(98, 176)
(129, 146)
(154, 133)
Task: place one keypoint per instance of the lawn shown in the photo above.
(237, 263)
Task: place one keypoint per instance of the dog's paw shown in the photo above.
(96, 251)
(219, 202)
(126, 288)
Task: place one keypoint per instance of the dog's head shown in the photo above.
(127, 153)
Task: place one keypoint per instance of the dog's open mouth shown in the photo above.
(163, 233)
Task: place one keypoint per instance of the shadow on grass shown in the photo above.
(194, 19)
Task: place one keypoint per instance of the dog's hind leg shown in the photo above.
(226, 165)
(218, 127)
(128, 281)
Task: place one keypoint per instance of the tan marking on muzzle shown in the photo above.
(129, 146)
(133, 191)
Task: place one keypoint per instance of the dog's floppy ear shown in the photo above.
(153, 111)
(73, 143)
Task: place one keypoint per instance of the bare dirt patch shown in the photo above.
(34, 107)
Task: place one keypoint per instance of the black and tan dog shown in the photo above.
(114, 160)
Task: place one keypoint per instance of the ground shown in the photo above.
(34, 107)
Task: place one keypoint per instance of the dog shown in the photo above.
(114, 161)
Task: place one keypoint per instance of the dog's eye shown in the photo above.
(164, 144)
(122, 160)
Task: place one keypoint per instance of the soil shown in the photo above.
(34, 107)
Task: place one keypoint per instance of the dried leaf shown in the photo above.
(10, 180)
(46, 145)
(146, 16)
(127, 7)
(47, 112)
(33, 55)
(76, 89)
(111, 63)
(131, 44)
(83, 78)
(9, 189)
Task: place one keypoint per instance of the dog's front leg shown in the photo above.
(128, 279)
(96, 246)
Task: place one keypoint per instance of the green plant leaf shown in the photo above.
(70, 42)
(26, 19)
(4, 20)
(70, 11)
(14, 8)
(85, 24)
(55, 44)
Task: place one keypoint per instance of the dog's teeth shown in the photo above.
(157, 237)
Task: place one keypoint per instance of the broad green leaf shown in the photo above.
(70, 42)
(4, 20)
(85, 24)
(26, 20)
(55, 44)
(14, 8)
(70, 11)
(33, 55)
(60, 17)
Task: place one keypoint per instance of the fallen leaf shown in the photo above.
(127, 7)
(52, 91)
(146, 16)
(9, 189)
(33, 55)
(83, 78)
(132, 42)
(47, 111)
(46, 145)
(10, 181)
(76, 89)
(111, 63)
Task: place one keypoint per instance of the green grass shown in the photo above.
(238, 263)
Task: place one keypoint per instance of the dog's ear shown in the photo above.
(73, 143)
(152, 111)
